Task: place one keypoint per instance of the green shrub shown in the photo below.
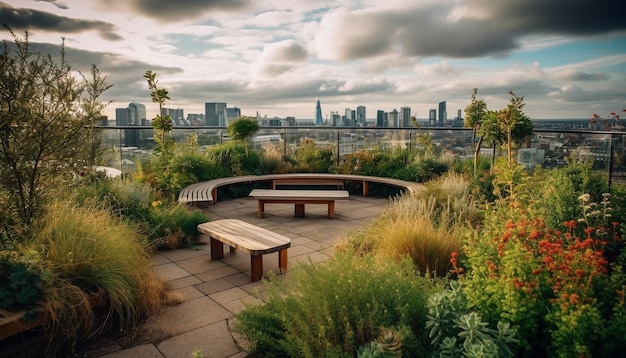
(96, 261)
(20, 281)
(235, 157)
(456, 331)
(172, 225)
(333, 308)
(311, 158)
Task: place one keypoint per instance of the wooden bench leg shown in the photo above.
(299, 211)
(217, 249)
(261, 208)
(256, 264)
(331, 209)
(366, 188)
(282, 260)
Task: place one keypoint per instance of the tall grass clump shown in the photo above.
(334, 308)
(425, 226)
(100, 269)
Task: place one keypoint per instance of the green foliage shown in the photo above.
(311, 158)
(232, 157)
(333, 308)
(546, 281)
(165, 223)
(20, 282)
(242, 128)
(457, 331)
(47, 117)
(162, 125)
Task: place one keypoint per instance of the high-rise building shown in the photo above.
(432, 118)
(133, 115)
(232, 114)
(360, 115)
(443, 114)
(318, 114)
(405, 117)
(335, 119)
(394, 118)
(215, 114)
(176, 114)
(137, 114)
(380, 118)
(459, 114)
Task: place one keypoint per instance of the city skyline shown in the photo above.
(567, 59)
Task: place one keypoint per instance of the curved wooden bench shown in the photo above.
(206, 191)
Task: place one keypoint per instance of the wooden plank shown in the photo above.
(270, 194)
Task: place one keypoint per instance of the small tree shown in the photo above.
(514, 124)
(162, 124)
(47, 119)
(475, 114)
(243, 128)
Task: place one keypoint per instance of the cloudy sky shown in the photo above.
(276, 57)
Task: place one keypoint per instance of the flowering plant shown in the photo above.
(542, 280)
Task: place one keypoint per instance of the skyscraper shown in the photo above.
(215, 114)
(380, 118)
(360, 115)
(443, 114)
(405, 117)
(318, 113)
(137, 114)
(432, 117)
(232, 114)
(394, 118)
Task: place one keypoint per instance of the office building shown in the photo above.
(432, 118)
(380, 118)
(176, 114)
(443, 114)
(405, 117)
(215, 114)
(232, 114)
(360, 116)
(394, 118)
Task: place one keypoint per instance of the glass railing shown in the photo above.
(605, 150)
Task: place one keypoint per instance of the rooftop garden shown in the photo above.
(491, 259)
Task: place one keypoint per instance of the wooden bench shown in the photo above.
(205, 192)
(240, 235)
(299, 198)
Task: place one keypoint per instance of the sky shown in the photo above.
(567, 58)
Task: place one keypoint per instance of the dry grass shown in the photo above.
(100, 273)
(426, 227)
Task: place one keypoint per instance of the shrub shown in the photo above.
(172, 225)
(233, 157)
(333, 308)
(95, 261)
(426, 226)
(310, 158)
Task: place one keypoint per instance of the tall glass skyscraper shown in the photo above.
(318, 114)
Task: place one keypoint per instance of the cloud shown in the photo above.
(279, 57)
(30, 19)
(462, 29)
(576, 76)
(56, 3)
(174, 11)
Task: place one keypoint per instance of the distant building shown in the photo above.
(380, 118)
(360, 115)
(232, 114)
(215, 114)
(405, 117)
(196, 119)
(394, 118)
(177, 115)
(432, 118)
(335, 119)
(318, 114)
(133, 115)
(443, 114)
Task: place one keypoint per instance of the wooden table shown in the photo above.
(299, 198)
(244, 236)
